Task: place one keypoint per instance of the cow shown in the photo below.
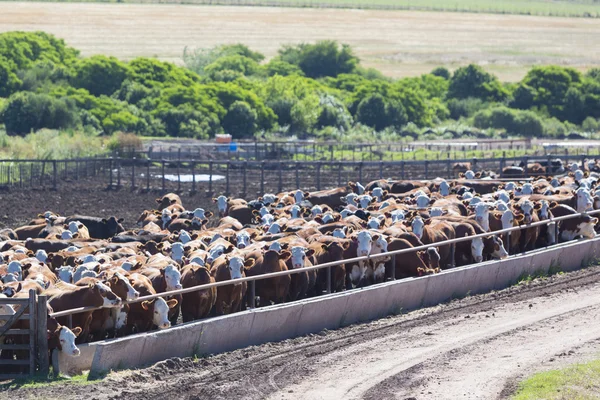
(99, 228)
(142, 316)
(229, 268)
(273, 289)
(198, 304)
(167, 200)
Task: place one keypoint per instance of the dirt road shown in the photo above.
(474, 348)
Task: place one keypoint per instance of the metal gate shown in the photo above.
(23, 336)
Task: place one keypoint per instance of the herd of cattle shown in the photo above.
(84, 261)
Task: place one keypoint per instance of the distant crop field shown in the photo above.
(399, 43)
(566, 8)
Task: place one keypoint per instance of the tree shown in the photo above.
(9, 81)
(442, 72)
(324, 58)
(26, 111)
(372, 112)
(282, 68)
(240, 120)
(100, 75)
(473, 81)
(551, 84)
(235, 63)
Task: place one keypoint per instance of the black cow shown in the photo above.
(99, 228)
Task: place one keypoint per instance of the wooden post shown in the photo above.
(42, 336)
(32, 331)
(54, 172)
(133, 173)
(210, 177)
(118, 173)
(426, 169)
(20, 175)
(43, 173)
(178, 174)
(380, 169)
(360, 171)
(393, 271)
(297, 176)
(262, 177)
(329, 280)
(9, 177)
(402, 170)
(280, 183)
(193, 164)
(339, 174)
(163, 174)
(110, 171)
(319, 175)
(227, 179)
(148, 175)
(244, 171)
(31, 175)
(76, 170)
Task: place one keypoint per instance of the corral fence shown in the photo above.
(241, 177)
(24, 332)
(385, 257)
(305, 150)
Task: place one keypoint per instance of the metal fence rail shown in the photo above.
(390, 254)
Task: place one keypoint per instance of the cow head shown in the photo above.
(584, 200)
(172, 277)
(299, 255)
(299, 196)
(340, 232)
(109, 298)
(160, 311)
(527, 208)
(436, 212)
(422, 201)
(365, 241)
(364, 201)
(378, 193)
(242, 239)
(41, 255)
(375, 222)
(15, 267)
(113, 226)
(66, 340)
(470, 174)
(177, 251)
(417, 226)
(295, 211)
(477, 249)
(350, 199)
(482, 215)
(551, 233)
(444, 188)
(121, 286)
(222, 204)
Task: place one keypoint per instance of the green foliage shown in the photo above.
(473, 81)
(525, 123)
(324, 58)
(9, 81)
(590, 124)
(26, 112)
(460, 108)
(333, 114)
(24, 48)
(240, 120)
(279, 67)
(100, 75)
(229, 68)
(442, 72)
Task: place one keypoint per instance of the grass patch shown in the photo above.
(525, 278)
(37, 382)
(577, 382)
(51, 144)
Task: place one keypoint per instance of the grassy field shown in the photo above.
(566, 8)
(578, 382)
(399, 43)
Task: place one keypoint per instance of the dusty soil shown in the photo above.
(474, 348)
(399, 43)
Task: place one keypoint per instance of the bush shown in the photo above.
(442, 72)
(26, 112)
(371, 112)
(473, 81)
(334, 113)
(517, 122)
(240, 120)
(324, 58)
(124, 142)
(278, 67)
(460, 108)
(100, 75)
(9, 81)
(591, 124)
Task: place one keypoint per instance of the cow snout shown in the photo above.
(478, 259)
(297, 265)
(76, 353)
(165, 325)
(363, 253)
(241, 246)
(528, 218)
(178, 287)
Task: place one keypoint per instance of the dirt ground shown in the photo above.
(475, 348)
(398, 43)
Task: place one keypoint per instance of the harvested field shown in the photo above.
(399, 43)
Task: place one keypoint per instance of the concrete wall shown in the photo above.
(281, 322)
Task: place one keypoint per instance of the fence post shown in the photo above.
(178, 174)
(31, 175)
(193, 164)
(297, 176)
(118, 172)
(262, 177)
(252, 294)
(110, 172)
(8, 170)
(43, 172)
(393, 271)
(133, 174)
(380, 169)
(76, 170)
(54, 172)
(339, 174)
(402, 170)
(328, 279)
(20, 175)
(280, 183)
(42, 336)
(360, 171)
(227, 178)
(210, 178)
(426, 169)
(319, 175)
(245, 168)
(163, 174)
(148, 175)
(32, 331)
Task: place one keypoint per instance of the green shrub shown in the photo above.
(473, 81)
(591, 124)
(460, 108)
(517, 122)
(324, 58)
(442, 72)
(240, 120)
(100, 75)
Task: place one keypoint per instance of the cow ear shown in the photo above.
(285, 255)
(537, 206)
(337, 217)
(375, 237)
(306, 194)
(172, 303)
(76, 331)
(345, 245)
(553, 204)
(159, 201)
(208, 214)
(324, 246)
(519, 217)
(214, 199)
(249, 263)
(309, 252)
(318, 219)
(145, 305)
(104, 220)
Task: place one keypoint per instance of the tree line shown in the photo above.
(307, 90)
